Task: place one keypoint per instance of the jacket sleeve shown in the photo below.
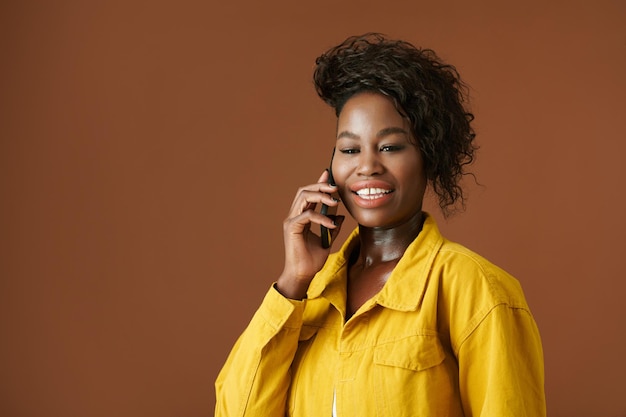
(501, 366)
(256, 376)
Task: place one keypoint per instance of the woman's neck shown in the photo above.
(380, 245)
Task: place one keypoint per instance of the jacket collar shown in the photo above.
(405, 286)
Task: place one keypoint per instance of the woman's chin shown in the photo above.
(381, 220)
(374, 222)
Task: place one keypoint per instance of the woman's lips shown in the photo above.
(371, 194)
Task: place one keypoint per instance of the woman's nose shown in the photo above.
(369, 163)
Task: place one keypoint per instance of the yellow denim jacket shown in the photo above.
(450, 334)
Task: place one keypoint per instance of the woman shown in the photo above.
(400, 321)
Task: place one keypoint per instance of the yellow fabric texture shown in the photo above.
(450, 334)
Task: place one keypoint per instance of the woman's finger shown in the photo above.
(302, 222)
(338, 221)
(324, 177)
(308, 200)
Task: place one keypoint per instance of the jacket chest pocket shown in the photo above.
(412, 377)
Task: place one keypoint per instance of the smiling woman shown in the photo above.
(400, 321)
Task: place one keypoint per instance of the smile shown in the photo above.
(372, 193)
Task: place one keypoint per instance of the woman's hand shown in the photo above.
(304, 254)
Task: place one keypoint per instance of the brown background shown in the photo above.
(149, 151)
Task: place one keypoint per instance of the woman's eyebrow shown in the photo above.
(390, 131)
(348, 134)
(381, 133)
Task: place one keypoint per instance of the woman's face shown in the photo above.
(377, 164)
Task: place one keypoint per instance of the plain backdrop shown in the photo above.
(149, 151)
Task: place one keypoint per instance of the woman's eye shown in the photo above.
(349, 150)
(391, 148)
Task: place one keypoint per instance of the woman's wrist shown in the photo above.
(291, 288)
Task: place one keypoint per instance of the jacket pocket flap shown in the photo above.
(416, 353)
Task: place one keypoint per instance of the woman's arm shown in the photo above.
(257, 373)
(501, 366)
(256, 376)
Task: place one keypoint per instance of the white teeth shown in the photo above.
(371, 193)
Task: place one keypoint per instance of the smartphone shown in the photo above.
(326, 210)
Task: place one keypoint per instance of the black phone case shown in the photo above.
(326, 210)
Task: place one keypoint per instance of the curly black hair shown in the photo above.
(427, 91)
